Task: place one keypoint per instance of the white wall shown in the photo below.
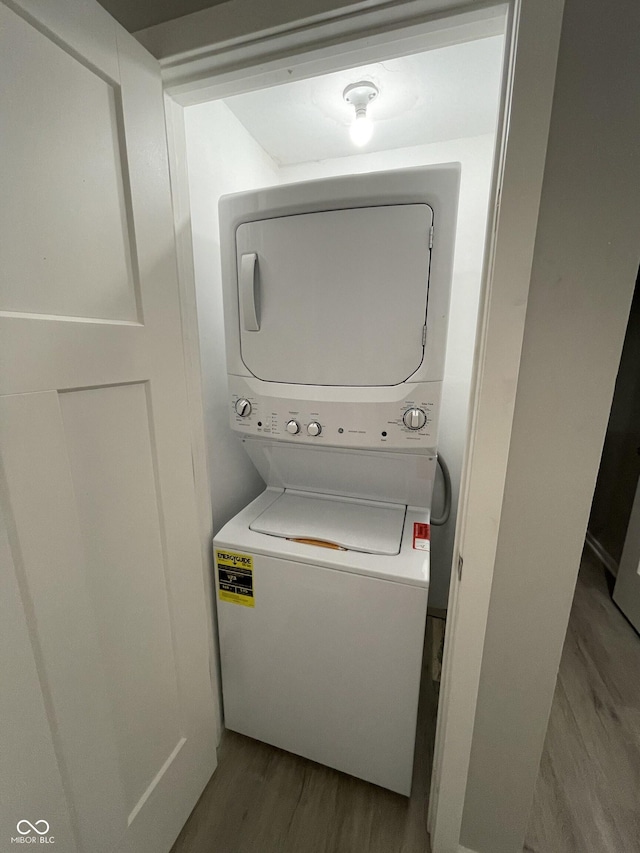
(476, 155)
(221, 158)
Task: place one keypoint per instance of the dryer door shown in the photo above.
(337, 297)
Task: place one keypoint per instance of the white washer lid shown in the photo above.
(371, 527)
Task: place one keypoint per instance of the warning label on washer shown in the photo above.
(235, 578)
(421, 536)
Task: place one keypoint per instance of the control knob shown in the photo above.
(314, 428)
(414, 418)
(293, 427)
(243, 407)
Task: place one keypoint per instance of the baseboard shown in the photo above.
(462, 849)
(601, 553)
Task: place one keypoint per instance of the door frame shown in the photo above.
(177, 154)
(348, 38)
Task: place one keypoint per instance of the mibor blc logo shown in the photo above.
(33, 833)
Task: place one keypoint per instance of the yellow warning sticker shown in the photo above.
(235, 578)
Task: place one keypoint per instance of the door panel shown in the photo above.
(43, 512)
(112, 464)
(71, 154)
(331, 286)
(26, 741)
(97, 481)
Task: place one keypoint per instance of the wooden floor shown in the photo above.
(264, 800)
(588, 792)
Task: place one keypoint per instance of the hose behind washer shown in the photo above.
(446, 477)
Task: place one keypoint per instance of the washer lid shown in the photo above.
(355, 525)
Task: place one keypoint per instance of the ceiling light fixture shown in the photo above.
(359, 96)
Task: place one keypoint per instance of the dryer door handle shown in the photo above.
(248, 292)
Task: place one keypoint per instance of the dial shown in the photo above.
(314, 428)
(414, 418)
(293, 427)
(243, 407)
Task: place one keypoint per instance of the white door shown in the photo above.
(335, 285)
(627, 589)
(108, 707)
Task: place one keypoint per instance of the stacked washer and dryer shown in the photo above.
(336, 298)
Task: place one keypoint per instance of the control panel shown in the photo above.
(405, 423)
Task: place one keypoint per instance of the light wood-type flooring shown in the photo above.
(264, 800)
(588, 791)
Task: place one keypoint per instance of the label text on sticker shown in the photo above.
(421, 536)
(231, 559)
(235, 578)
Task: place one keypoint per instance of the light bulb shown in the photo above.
(359, 96)
(361, 129)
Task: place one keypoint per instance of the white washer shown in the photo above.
(324, 658)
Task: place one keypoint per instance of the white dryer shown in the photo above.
(336, 299)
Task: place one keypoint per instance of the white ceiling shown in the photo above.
(448, 93)
(147, 13)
